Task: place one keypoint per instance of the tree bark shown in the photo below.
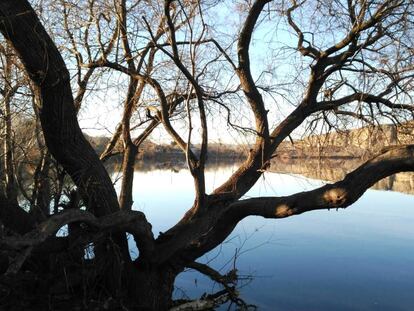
(64, 138)
(128, 164)
(14, 217)
(152, 288)
(11, 186)
(45, 66)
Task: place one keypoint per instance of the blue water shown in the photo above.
(361, 258)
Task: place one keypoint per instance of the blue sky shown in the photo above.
(102, 113)
(274, 63)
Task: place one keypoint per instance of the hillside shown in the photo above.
(334, 169)
(356, 143)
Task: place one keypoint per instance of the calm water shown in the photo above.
(361, 258)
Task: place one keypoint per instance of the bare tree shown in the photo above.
(353, 63)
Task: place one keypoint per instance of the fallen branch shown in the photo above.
(204, 303)
(228, 281)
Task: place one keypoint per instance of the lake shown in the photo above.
(360, 258)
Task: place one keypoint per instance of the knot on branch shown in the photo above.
(334, 197)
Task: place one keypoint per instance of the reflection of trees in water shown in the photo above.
(329, 169)
(174, 165)
(334, 169)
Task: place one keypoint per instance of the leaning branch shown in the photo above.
(20, 25)
(360, 97)
(338, 195)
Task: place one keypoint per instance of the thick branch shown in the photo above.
(130, 221)
(248, 173)
(196, 238)
(63, 136)
(338, 195)
(361, 97)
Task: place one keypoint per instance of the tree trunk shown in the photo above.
(152, 288)
(11, 187)
(58, 116)
(128, 164)
(41, 192)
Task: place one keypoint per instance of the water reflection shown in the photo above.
(326, 169)
(355, 259)
(331, 169)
